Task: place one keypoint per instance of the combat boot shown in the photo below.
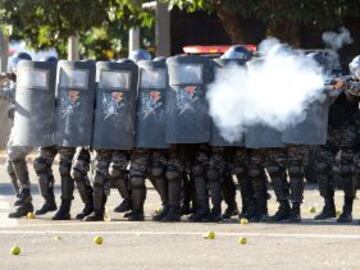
(161, 213)
(64, 211)
(283, 213)
(174, 194)
(88, 209)
(25, 204)
(346, 215)
(99, 212)
(97, 215)
(136, 215)
(295, 213)
(231, 210)
(173, 215)
(22, 210)
(328, 211)
(138, 196)
(17, 202)
(49, 205)
(124, 206)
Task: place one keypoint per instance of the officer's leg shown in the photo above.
(246, 191)
(17, 157)
(119, 178)
(79, 172)
(201, 194)
(258, 181)
(281, 188)
(67, 183)
(157, 175)
(326, 188)
(100, 180)
(296, 175)
(347, 174)
(228, 189)
(173, 174)
(14, 182)
(298, 156)
(138, 171)
(187, 194)
(42, 167)
(214, 175)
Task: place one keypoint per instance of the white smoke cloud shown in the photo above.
(335, 41)
(274, 90)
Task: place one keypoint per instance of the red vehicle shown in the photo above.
(212, 49)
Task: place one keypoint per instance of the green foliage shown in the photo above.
(323, 13)
(100, 24)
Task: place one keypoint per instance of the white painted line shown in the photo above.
(176, 233)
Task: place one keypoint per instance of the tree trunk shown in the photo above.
(286, 31)
(230, 23)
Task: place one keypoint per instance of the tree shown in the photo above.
(43, 24)
(282, 18)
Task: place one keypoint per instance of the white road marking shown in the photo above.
(5, 208)
(177, 233)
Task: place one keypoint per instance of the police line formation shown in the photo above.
(148, 119)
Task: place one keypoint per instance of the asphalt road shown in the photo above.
(47, 244)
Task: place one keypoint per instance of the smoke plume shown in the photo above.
(334, 41)
(274, 90)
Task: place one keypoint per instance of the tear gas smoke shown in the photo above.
(335, 41)
(274, 90)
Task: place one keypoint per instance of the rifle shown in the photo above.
(343, 79)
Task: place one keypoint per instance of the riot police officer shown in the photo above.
(114, 125)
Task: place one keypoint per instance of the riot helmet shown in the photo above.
(237, 52)
(51, 59)
(139, 54)
(354, 67)
(13, 62)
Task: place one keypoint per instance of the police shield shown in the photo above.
(75, 103)
(216, 138)
(151, 101)
(313, 129)
(262, 136)
(34, 104)
(115, 111)
(187, 118)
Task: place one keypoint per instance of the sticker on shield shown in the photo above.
(69, 102)
(186, 97)
(112, 103)
(150, 102)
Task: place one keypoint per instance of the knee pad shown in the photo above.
(273, 170)
(213, 175)
(115, 171)
(64, 170)
(157, 171)
(16, 154)
(239, 170)
(40, 165)
(9, 168)
(254, 171)
(296, 171)
(322, 168)
(99, 180)
(172, 174)
(76, 174)
(197, 170)
(137, 182)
